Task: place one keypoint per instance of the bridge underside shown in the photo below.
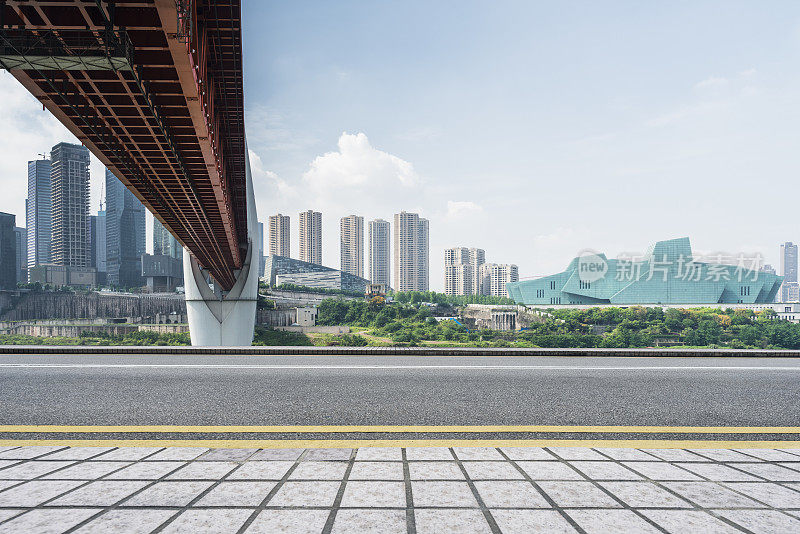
(154, 89)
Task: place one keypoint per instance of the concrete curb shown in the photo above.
(393, 351)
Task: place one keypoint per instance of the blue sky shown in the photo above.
(533, 130)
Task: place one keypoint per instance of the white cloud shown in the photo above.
(462, 209)
(712, 82)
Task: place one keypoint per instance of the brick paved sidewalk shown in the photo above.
(436, 490)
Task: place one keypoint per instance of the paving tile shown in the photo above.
(241, 493)
(277, 454)
(577, 494)
(29, 470)
(527, 453)
(477, 453)
(392, 454)
(605, 471)
(631, 455)
(27, 453)
(328, 454)
(711, 495)
(429, 453)
(171, 493)
(644, 495)
(203, 471)
(451, 522)
(145, 471)
(456, 494)
(661, 471)
(689, 522)
(78, 453)
(263, 470)
(230, 455)
(531, 522)
(770, 455)
(129, 453)
(370, 521)
(8, 483)
(510, 494)
(100, 493)
(549, 471)
(435, 470)
(305, 494)
(362, 494)
(8, 514)
(87, 470)
(289, 522)
(54, 521)
(576, 453)
(771, 494)
(718, 473)
(611, 521)
(762, 521)
(675, 455)
(772, 472)
(127, 521)
(723, 455)
(178, 453)
(319, 471)
(8, 463)
(492, 471)
(790, 465)
(377, 471)
(7, 447)
(36, 492)
(208, 521)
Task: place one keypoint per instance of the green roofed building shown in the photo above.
(666, 274)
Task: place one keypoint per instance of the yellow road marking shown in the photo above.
(361, 443)
(328, 429)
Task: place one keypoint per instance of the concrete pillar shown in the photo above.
(217, 319)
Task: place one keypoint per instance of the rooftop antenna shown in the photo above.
(102, 194)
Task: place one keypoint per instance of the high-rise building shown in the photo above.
(351, 230)
(790, 289)
(164, 243)
(69, 179)
(379, 252)
(125, 234)
(260, 249)
(494, 277)
(8, 251)
(98, 224)
(411, 252)
(279, 236)
(461, 270)
(311, 237)
(21, 240)
(38, 212)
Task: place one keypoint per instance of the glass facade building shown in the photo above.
(666, 274)
(281, 270)
(125, 234)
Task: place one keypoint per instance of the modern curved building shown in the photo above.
(666, 274)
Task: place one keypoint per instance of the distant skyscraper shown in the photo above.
(38, 208)
(789, 288)
(69, 179)
(351, 230)
(8, 251)
(260, 249)
(311, 237)
(164, 243)
(461, 270)
(279, 235)
(125, 234)
(411, 252)
(99, 241)
(21, 241)
(379, 252)
(494, 278)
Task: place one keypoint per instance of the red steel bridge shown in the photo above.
(154, 89)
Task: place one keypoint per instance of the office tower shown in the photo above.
(311, 237)
(789, 288)
(164, 243)
(260, 249)
(99, 241)
(21, 241)
(379, 252)
(69, 180)
(279, 235)
(8, 251)
(494, 277)
(461, 270)
(125, 234)
(411, 252)
(351, 230)
(38, 214)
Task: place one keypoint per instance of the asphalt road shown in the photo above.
(401, 390)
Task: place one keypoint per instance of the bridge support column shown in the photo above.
(225, 319)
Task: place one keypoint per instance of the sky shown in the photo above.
(534, 130)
